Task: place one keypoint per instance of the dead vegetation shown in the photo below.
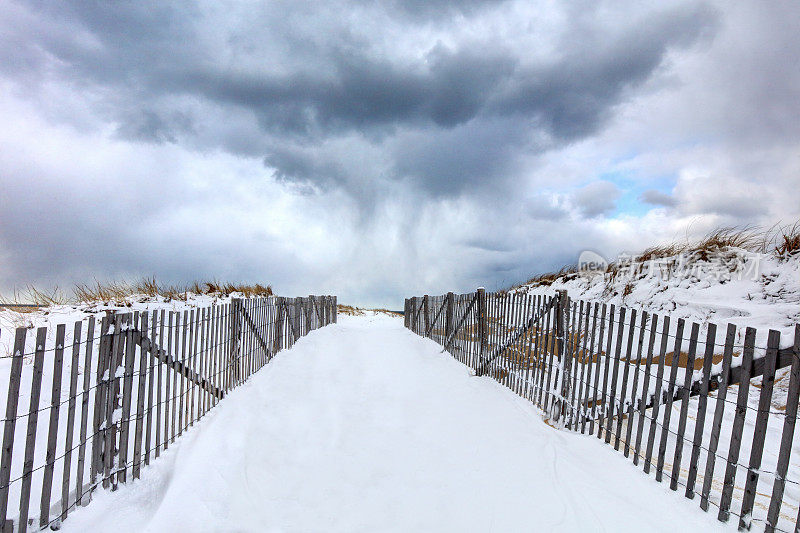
(122, 291)
(361, 311)
(783, 241)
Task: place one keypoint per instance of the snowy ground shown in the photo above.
(363, 426)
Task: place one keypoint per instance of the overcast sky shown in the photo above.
(381, 149)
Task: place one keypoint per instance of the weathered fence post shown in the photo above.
(448, 317)
(562, 308)
(425, 311)
(236, 327)
(335, 310)
(482, 325)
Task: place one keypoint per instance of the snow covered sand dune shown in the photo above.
(363, 426)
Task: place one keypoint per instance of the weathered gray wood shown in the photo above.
(482, 316)
(169, 400)
(156, 329)
(448, 318)
(127, 393)
(612, 398)
(673, 373)
(760, 429)
(719, 410)
(573, 333)
(538, 377)
(181, 396)
(700, 417)
(738, 426)
(645, 388)
(684, 398)
(140, 405)
(589, 357)
(113, 399)
(603, 411)
(657, 394)
(634, 387)
(30, 438)
(87, 373)
(623, 392)
(584, 351)
(512, 339)
(598, 362)
(254, 330)
(561, 384)
(194, 318)
(100, 398)
(9, 426)
(52, 434)
(526, 387)
(789, 422)
(73, 397)
(549, 348)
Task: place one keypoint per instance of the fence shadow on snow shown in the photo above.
(711, 413)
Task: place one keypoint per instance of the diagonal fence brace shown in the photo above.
(520, 332)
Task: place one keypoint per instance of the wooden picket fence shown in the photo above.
(120, 396)
(647, 384)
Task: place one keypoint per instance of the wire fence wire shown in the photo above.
(90, 407)
(700, 406)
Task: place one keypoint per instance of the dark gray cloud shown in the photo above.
(468, 109)
(652, 196)
(378, 148)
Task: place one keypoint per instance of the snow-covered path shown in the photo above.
(363, 426)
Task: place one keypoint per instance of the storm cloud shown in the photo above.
(332, 146)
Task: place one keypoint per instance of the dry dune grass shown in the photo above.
(122, 291)
(781, 240)
(361, 311)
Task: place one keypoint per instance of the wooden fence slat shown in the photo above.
(684, 398)
(100, 395)
(603, 410)
(738, 426)
(113, 395)
(87, 374)
(612, 398)
(584, 349)
(719, 410)
(598, 362)
(550, 348)
(140, 397)
(673, 373)
(9, 426)
(657, 394)
(789, 422)
(169, 401)
(632, 407)
(645, 388)
(69, 436)
(528, 339)
(572, 369)
(623, 392)
(702, 401)
(184, 335)
(151, 370)
(589, 355)
(52, 433)
(33, 419)
(127, 393)
(760, 429)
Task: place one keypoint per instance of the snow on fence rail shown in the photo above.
(119, 391)
(714, 414)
